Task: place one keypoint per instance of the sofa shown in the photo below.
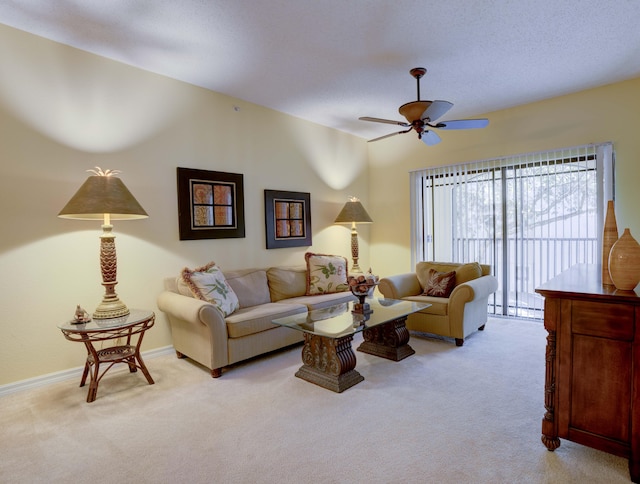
(200, 330)
(456, 315)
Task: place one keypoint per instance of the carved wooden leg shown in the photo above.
(459, 341)
(549, 424)
(329, 362)
(216, 373)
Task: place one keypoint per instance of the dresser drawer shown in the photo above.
(604, 320)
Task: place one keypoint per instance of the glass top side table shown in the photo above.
(126, 327)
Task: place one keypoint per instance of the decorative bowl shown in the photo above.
(361, 287)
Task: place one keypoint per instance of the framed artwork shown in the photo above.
(287, 217)
(210, 204)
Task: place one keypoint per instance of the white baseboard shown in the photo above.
(70, 374)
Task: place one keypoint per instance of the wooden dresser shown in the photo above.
(592, 382)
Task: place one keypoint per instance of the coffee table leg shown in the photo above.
(329, 362)
(389, 340)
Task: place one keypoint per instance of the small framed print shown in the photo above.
(210, 204)
(287, 218)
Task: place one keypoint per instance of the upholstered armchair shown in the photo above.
(463, 312)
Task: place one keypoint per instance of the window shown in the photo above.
(529, 216)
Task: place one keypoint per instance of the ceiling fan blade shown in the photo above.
(387, 121)
(388, 135)
(462, 124)
(436, 110)
(430, 138)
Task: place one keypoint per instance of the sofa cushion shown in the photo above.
(439, 284)
(287, 282)
(250, 285)
(326, 273)
(464, 272)
(256, 319)
(322, 301)
(181, 287)
(209, 284)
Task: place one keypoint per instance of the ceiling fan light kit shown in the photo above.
(421, 115)
(414, 110)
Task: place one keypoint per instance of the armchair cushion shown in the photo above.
(439, 305)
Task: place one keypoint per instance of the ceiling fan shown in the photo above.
(421, 115)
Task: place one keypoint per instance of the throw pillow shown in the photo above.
(326, 274)
(209, 284)
(439, 284)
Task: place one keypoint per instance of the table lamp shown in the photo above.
(353, 212)
(104, 196)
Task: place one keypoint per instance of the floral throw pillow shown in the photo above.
(209, 284)
(439, 284)
(326, 274)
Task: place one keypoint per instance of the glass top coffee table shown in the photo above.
(327, 356)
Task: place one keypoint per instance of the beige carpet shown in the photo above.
(446, 414)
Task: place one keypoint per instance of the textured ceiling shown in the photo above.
(332, 61)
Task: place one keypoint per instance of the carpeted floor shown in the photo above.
(446, 414)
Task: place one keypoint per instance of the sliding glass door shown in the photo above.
(530, 217)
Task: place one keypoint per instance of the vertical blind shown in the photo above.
(529, 216)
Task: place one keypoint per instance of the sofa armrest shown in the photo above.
(187, 316)
(399, 286)
(192, 310)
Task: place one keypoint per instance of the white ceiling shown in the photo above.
(332, 61)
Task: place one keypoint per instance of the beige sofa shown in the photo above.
(459, 315)
(201, 332)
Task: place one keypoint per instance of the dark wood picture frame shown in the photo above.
(210, 204)
(287, 217)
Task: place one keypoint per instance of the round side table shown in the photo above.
(126, 327)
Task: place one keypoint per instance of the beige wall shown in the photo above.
(610, 113)
(63, 111)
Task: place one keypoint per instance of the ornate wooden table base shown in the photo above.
(329, 362)
(328, 357)
(387, 340)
